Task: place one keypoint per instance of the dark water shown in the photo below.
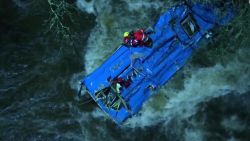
(40, 69)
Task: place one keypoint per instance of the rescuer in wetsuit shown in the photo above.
(137, 38)
(118, 83)
(112, 93)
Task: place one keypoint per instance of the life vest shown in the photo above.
(141, 36)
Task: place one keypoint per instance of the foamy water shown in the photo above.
(200, 84)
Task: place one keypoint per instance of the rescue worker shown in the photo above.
(118, 83)
(138, 38)
(114, 98)
(128, 39)
(122, 82)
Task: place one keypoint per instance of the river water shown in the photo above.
(41, 66)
